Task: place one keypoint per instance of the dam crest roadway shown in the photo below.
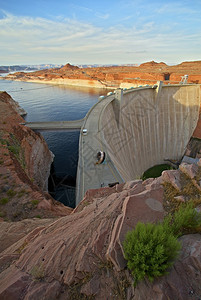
(56, 125)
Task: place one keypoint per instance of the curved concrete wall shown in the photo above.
(152, 125)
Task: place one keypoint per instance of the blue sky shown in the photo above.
(102, 32)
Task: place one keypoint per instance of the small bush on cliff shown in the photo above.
(14, 146)
(38, 273)
(186, 220)
(150, 250)
(11, 193)
(155, 171)
(4, 201)
(34, 202)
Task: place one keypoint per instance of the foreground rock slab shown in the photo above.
(73, 253)
(80, 256)
(183, 281)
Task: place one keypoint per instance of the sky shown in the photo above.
(99, 32)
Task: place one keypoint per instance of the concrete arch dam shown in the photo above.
(152, 125)
(137, 129)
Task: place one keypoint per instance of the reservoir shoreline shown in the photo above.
(68, 82)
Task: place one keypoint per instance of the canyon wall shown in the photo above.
(36, 156)
(25, 162)
(152, 125)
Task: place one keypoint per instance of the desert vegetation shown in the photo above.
(150, 249)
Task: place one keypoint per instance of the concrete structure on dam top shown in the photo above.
(136, 129)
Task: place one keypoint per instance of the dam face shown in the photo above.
(153, 125)
(136, 129)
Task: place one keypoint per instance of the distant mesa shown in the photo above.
(69, 66)
(153, 64)
(189, 64)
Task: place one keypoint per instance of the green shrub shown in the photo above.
(10, 193)
(38, 273)
(3, 142)
(4, 201)
(14, 146)
(2, 214)
(35, 202)
(38, 216)
(22, 192)
(185, 219)
(155, 171)
(15, 149)
(150, 250)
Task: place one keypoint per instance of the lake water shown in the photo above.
(44, 102)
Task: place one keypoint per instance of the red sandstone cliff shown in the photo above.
(24, 168)
(146, 73)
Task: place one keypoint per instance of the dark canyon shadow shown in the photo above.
(62, 179)
(62, 187)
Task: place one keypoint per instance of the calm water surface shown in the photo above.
(44, 102)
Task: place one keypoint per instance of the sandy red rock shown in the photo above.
(146, 73)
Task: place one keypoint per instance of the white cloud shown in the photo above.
(82, 8)
(103, 17)
(38, 40)
(175, 8)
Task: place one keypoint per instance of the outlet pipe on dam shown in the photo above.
(136, 129)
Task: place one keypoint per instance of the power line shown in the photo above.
(22, 90)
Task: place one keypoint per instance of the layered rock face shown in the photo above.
(11, 232)
(25, 162)
(36, 155)
(80, 256)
